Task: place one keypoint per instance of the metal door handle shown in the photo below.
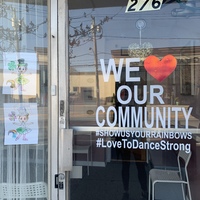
(65, 150)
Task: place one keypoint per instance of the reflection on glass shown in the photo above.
(23, 58)
(171, 109)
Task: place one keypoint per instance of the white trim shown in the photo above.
(63, 82)
(53, 100)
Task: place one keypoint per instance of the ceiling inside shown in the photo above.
(75, 4)
(185, 54)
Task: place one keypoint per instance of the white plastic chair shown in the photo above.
(25, 190)
(84, 149)
(172, 176)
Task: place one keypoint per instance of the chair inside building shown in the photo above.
(179, 176)
(23, 191)
(83, 145)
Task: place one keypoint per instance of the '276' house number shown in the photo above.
(143, 5)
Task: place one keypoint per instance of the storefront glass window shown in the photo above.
(134, 96)
(23, 102)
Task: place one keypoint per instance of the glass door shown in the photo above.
(24, 100)
(134, 93)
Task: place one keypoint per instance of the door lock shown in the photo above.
(62, 108)
(62, 114)
(59, 179)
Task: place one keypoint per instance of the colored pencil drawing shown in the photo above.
(20, 69)
(22, 129)
(21, 123)
(19, 73)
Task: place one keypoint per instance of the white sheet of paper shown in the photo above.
(21, 123)
(18, 82)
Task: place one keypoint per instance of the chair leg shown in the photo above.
(183, 191)
(149, 198)
(189, 192)
(153, 185)
(73, 158)
(91, 158)
(88, 165)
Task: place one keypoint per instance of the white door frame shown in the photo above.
(53, 99)
(58, 84)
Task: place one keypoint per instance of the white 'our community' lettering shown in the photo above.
(130, 116)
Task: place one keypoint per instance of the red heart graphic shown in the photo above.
(160, 69)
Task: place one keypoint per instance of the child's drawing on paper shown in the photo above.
(22, 129)
(21, 79)
(20, 73)
(21, 123)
